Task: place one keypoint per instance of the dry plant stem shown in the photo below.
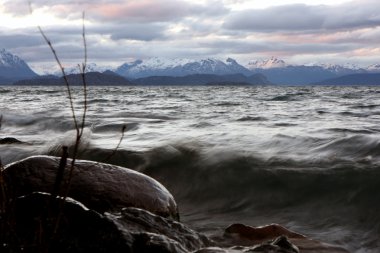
(80, 130)
(60, 173)
(118, 145)
(83, 74)
(3, 190)
(64, 77)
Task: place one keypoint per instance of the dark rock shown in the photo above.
(34, 228)
(160, 231)
(243, 232)
(280, 240)
(278, 245)
(10, 140)
(101, 187)
(283, 243)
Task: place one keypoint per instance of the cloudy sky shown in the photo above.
(298, 31)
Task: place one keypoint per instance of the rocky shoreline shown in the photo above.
(113, 209)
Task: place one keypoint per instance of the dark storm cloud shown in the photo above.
(301, 17)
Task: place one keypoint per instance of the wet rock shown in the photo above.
(241, 233)
(160, 231)
(35, 227)
(101, 187)
(10, 140)
(280, 240)
(278, 245)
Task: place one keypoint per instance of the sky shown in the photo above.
(118, 31)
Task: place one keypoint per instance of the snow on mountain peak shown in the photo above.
(163, 63)
(179, 67)
(374, 68)
(273, 62)
(9, 60)
(337, 67)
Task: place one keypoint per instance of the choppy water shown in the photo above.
(305, 157)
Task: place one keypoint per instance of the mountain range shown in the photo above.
(353, 79)
(13, 68)
(156, 71)
(180, 67)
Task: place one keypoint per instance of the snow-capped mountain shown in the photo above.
(180, 67)
(53, 69)
(13, 68)
(279, 72)
(374, 68)
(90, 67)
(266, 64)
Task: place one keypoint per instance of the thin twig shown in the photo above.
(81, 129)
(60, 173)
(118, 145)
(64, 75)
(83, 73)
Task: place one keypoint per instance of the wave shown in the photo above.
(362, 106)
(227, 103)
(356, 147)
(144, 115)
(287, 97)
(352, 131)
(100, 101)
(114, 127)
(321, 197)
(355, 114)
(38, 122)
(4, 91)
(194, 173)
(250, 118)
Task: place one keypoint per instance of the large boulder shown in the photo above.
(39, 222)
(101, 187)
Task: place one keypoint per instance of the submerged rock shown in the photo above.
(101, 187)
(258, 234)
(278, 245)
(274, 238)
(10, 140)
